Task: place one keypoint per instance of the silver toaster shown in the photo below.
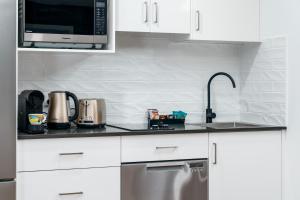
(92, 113)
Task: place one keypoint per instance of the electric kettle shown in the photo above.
(59, 110)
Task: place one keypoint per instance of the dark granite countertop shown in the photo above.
(74, 132)
(139, 130)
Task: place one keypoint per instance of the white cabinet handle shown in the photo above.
(155, 12)
(215, 154)
(167, 147)
(197, 20)
(70, 193)
(71, 154)
(145, 12)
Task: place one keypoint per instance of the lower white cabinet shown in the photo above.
(75, 184)
(245, 166)
(164, 147)
(242, 165)
(68, 153)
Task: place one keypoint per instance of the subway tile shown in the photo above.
(263, 89)
(168, 74)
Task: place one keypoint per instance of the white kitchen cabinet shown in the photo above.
(230, 20)
(160, 16)
(246, 165)
(164, 147)
(170, 16)
(68, 153)
(133, 15)
(76, 184)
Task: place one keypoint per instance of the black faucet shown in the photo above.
(210, 115)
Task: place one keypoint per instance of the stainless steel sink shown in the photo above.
(230, 125)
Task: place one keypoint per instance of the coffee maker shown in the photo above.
(30, 102)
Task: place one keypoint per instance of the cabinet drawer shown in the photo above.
(164, 147)
(68, 153)
(79, 184)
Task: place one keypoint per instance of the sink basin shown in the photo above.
(230, 125)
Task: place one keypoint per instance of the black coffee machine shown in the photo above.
(30, 102)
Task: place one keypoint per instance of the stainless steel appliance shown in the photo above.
(180, 180)
(92, 113)
(59, 110)
(67, 21)
(7, 99)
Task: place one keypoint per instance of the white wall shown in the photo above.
(146, 72)
(293, 135)
(281, 17)
(263, 82)
(273, 18)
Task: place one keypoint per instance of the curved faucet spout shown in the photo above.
(210, 115)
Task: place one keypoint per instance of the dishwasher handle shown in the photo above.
(166, 166)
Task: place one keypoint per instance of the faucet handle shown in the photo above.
(213, 115)
(210, 115)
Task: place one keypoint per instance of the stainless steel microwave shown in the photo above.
(63, 21)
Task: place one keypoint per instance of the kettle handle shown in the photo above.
(76, 103)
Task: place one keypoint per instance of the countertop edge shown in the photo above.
(137, 133)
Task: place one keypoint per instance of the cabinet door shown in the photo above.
(170, 16)
(245, 166)
(133, 15)
(77, 184)
(230, 20)
(164, 147)
(68, 153)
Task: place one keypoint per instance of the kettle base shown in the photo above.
(58, 126)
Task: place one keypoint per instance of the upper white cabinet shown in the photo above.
(245, 166)
(171, 16)
(160, 16)
(133, 15)
(230, 20)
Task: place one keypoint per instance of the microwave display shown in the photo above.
(76, 17)
(100, 4)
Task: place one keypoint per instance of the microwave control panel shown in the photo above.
(100, 17)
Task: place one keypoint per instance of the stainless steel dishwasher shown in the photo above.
(173, 180)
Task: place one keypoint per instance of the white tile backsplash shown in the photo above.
(263, 80)
(146, 72)
(169, 74)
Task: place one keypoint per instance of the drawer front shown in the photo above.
(79, 184)
(68, 153)
(164, 147)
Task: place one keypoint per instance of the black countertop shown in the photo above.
(139, 130)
